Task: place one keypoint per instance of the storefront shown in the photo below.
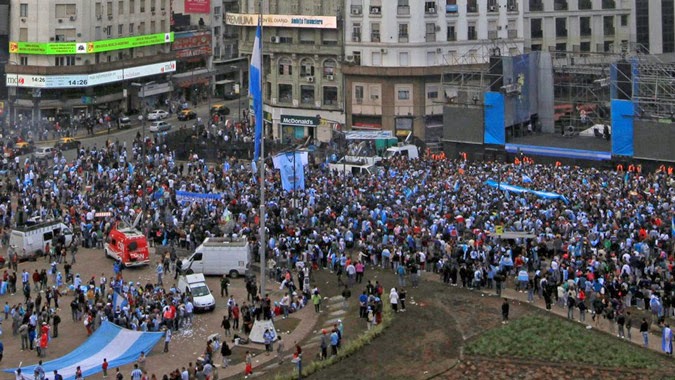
(298, 127)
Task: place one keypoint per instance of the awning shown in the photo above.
(225, 81)
(192, 73)
(367, 126)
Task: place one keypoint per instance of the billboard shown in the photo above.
(192, 44)
(86, 80)
(197, 6)
(282, 21)
(65, 48)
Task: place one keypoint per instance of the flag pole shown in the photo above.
(261, 166)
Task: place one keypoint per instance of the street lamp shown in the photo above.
(142, 118)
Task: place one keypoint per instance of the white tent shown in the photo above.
(259, 327)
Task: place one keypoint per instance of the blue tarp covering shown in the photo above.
(118, 345)
(622, 127)
(518, 190)
(495, 130)
(549, 151)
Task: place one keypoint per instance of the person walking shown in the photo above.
(225, 351)
(393, 299)
(104, 368)
(644, 330)
(248, 369)
(667, 340)
(167, 338)
(136, 373)
(629, 325)
(225, 324)
(316, 300)
(268, 339)
(224, 285)
(505, 311)
(620, 323)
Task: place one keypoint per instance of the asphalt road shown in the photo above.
(128, 135)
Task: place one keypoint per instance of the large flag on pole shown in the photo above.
(255, 88)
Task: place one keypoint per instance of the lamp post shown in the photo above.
(142, 117)
(11, 95)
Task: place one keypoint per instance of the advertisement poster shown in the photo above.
(197, 6)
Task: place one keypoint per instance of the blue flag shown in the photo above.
(255, 88)
(100, 169)
(131, 169)
(672, 227)
(526, 179)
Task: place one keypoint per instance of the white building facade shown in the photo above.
(396, 52)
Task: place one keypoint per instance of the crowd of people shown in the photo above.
(607, 245)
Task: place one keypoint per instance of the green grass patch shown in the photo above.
(350, 348)
(552, 339)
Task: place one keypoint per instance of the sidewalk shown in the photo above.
(603, 325)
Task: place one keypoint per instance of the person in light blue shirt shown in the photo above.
(334, 341)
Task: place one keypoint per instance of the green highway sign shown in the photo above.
(65, 48)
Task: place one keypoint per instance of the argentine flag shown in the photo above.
(255, 89)
(526, 179)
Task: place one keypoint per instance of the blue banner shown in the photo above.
(623, 112)
(186, 196)
(291, 166)
(519, 190)
(495, 129)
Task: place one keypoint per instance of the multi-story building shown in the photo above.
(207, 55)
(302, 50)
(397, 50)
(655, 25)
(598, 26)
(77, 55)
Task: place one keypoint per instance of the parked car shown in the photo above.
(124, 122)
(157, 115)
(66, 143)
(44, 152)
(159, 126)
(187, 115)
(220, 109)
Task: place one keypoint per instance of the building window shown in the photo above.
(561, 27)
(403, 7)
(431, 58)
(451, 7)
(65, 10)
(307, 37)
(451, 35)
(375, 7)
(356, 32)
(285, 66)
(472, 6)
(307, 94)
(585, 4)
(358, 94)
(624, 20)
(608, 25)
(109, 9)
(430, 35)
(330, 96)
(403, 58)
(64, 61)
(142, 6)
(512, 5)
(285, 93)
(329, 69)
(402, 32)
(560, 5)
(132, 6)
(120, 29)
(537, 5)
(375, 32)
(608, 4)
(667, 26)
(403, 94)
(23, 61)
(432, 92)
(471, 33)
(585, 47)
(23, 34)
(585, 26)
(306, 68)
(120, 8)
(108, 30)
(153, 3)
(23, 10)
(536, 30)
(131, 28)
(430, 7)
(141, 27)
(357, 7)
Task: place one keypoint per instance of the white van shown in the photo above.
(408, 150)
(29, 240)
(219, 256)
(195, 284)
